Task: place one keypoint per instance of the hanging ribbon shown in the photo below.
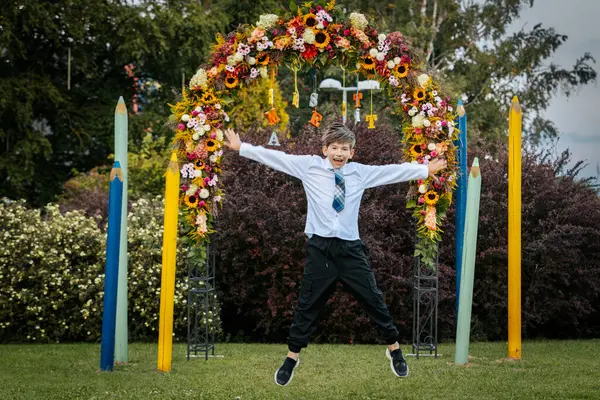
(272, 89)
(296, 97)
(314, 96)
(344, 108)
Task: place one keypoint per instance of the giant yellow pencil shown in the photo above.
(514, 230)
(169, 252)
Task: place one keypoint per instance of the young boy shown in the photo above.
(334, 190)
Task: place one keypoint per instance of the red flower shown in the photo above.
(310, 52)
(346, 32)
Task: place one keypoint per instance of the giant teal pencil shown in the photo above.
(463, 326)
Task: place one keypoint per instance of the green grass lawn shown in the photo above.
(549, 370)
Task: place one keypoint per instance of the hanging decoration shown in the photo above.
(296, 97)
(317, 34)
(371, 118)
(271, 115)
(274, 140)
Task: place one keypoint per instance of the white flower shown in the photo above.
(204, 193)
(373, 52)
(320, 26)
(381, 37)
(422, 189)
(391, 64)
(197, 173)
(213, 159)
(219, 134)
(380, 57)
(309, 36)
(206, 128)
(267, 20)
(196, 136)
(434, 92)
(200, 79)
(412, 111)
(358, 21)
(431, 146)
(230, 60)
(417, 121)
(397, 60)
(427, 123)
(185, 118)
(198, 109)
(423, 80)
(263, 72)
(251, 60)
(237, 58)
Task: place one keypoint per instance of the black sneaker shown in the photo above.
(285, 373)
(397, 363)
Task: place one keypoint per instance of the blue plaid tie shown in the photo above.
(340, 192)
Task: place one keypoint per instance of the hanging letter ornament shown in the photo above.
(272, 116)
(316, 119)
(371, 118)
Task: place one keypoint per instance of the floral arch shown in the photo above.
(312, 36)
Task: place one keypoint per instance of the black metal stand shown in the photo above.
(201, 306)
(425, 309)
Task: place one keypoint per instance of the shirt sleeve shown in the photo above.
(293, 165)
(379, 175)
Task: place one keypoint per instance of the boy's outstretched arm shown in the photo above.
(379, 175)
(287, 163)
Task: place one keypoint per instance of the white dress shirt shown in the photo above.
(317, 176)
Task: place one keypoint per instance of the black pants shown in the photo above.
(330, 260)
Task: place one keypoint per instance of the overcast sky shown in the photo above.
(577, 117)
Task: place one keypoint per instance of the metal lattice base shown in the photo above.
(425, 310)
(201, 307)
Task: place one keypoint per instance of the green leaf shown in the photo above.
(412, 203)
(293, 6)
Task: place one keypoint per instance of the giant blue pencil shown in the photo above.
(461, 195)
(109, 316)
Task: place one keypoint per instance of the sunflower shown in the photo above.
(368, 63)
(321, 39)
(191, 201)
(401, 70)
(199, 164)
(211, 144)
(431, 198)
(231, 81)
(208, 98)
(310, 20)
(419, 94)
(416, 150)
(262, 58)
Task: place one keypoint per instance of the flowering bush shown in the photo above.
(52, 274)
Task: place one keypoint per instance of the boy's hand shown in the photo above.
(233, 140)
(435, 166)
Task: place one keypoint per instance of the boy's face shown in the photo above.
(338, 154)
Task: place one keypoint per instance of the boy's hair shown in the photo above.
(338, 132)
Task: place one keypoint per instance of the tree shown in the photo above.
(46, 128)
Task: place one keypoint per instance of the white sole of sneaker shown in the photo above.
(389, 356)
(291, 376)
